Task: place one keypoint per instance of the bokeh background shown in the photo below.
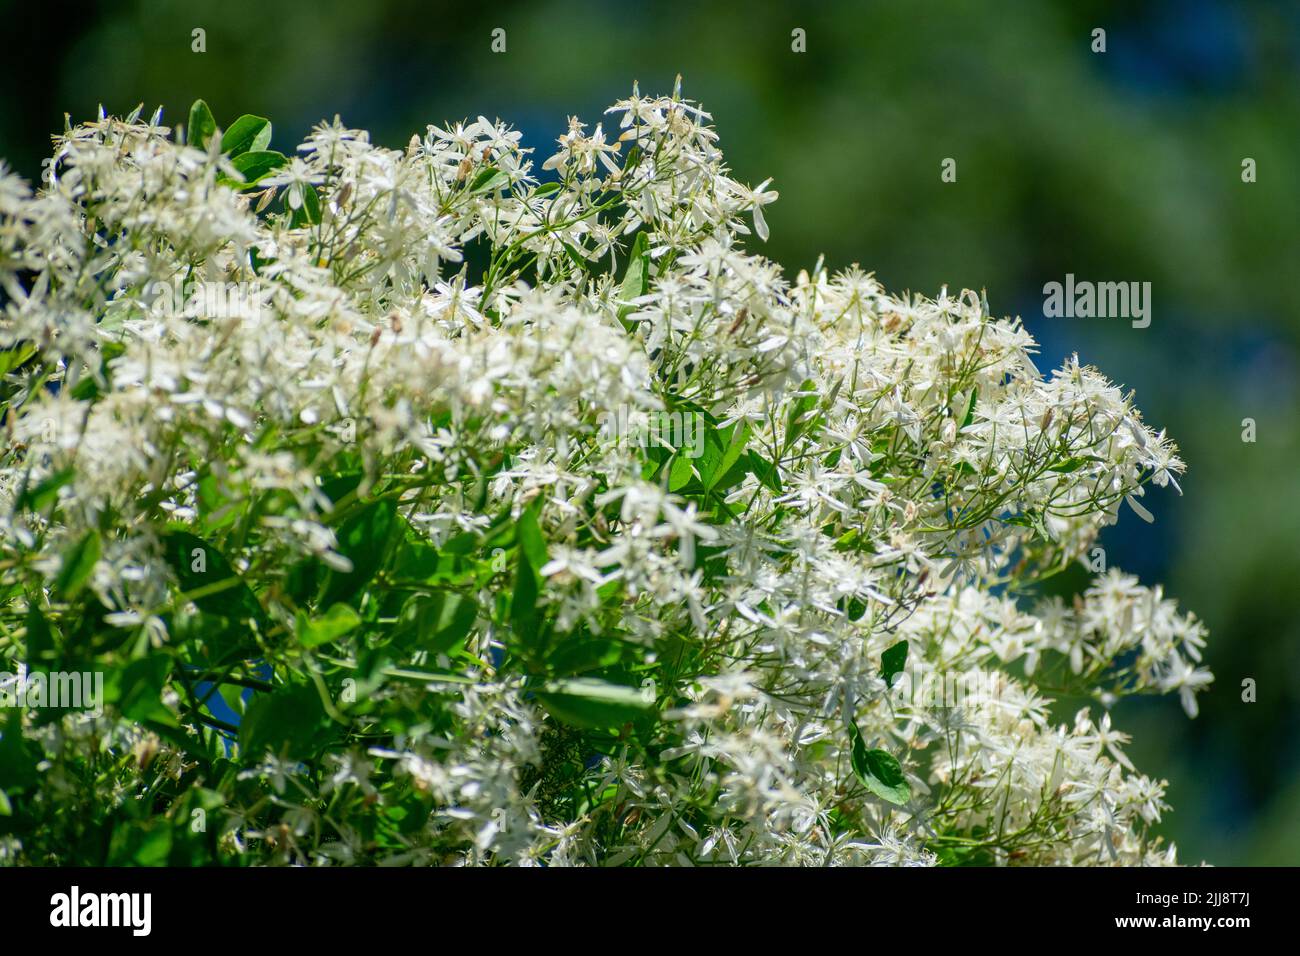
(1122, 166)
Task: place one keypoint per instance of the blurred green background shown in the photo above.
(1122, 166)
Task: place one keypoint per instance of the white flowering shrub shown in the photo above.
(414, 509)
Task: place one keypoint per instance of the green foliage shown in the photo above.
(246, 134)
(878, 770)
(893, 661)
(201, 126)
(257, 165)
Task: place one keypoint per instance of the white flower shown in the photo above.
(837, 479)
(295, 176)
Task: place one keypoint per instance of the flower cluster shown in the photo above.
(305, 453)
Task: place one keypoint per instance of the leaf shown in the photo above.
(78, 566)
(246, 134)
(575, 256)
(1073, 464)
(86, 390)
(970, 409)
(10, 359)
(439, 621)
(308, 214)
(201, 126)
(798, 417)
(216, 508)
(330, 626)
(363, 540)
(733, 475)
(681, 473)
(767, 473)
(721, 453)
(878, 770)
(39, 640)
(136, 690)
(46, 493)
(595, 704)
(528, 578)
(636, 281)
(523, 600)
(257, 165)
(200, 566)
(893, 661)
(290, 720)
(463, 545)
(453, 563)
(583, 653)
(210, 638)
(488, 180)
(531, 541)
(17, 763)
(140, 843)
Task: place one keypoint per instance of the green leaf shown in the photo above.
(878, 770)
(893, 661)
(636, 281)
(201, 567)
(257, 165)
(681, 473)
(970, 410)
(308, 214)
(799, 418)
(217, 509)
(583, 653)
(17, 762)
(721, 452)
(290, 720)
(528, 579)
(140, 843)
(439, 621)
(191, 846)
(201, 125)
(10, 359)
(246, 134)
(39, 641)
(210, 638)
(1073, 464)
(575, 257)
(233, 696)
(766, 472)
(86, 390)
(363, 540)
(595, 704)
(136, 690)
(78, 566)
(46, 493)
(330, 626)
(523, 601)
(488, 180)
(531, 541)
